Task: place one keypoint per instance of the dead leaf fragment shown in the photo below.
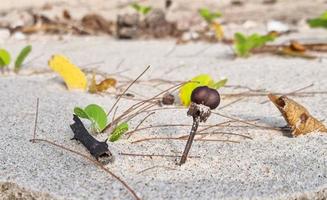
(288, 51)
(102, 86)
(297, 116)
(296, 46)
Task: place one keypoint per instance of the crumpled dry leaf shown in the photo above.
(102, 86)
(297, 116)
(218, 29)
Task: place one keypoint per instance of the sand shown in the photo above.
(270, 166)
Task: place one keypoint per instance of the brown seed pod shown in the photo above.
(168, 99)
(206, 96)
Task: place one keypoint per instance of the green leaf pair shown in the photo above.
(200, 80)
(319, 22)
(5, 57)
(209, 16)
(95, 114)
(141, 9)
(98, 118)
(244, 44)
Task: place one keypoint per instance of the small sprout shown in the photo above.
(5, 58)
(244, 44)
(21, 57)
(118, 132)
(168, 99)
(141, 9)
(95, 114)
(204, 99)
(319, 22)
(200, 80)
(209, 16)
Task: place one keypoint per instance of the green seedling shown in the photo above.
(118, 131)
(200, 80)
(21, 57)
(95, 114)
(244, 44)
(5, 58)
(144, 10)
(209, 16)
(319, 22)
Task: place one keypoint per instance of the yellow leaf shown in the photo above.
(72, 75)
(219, 31)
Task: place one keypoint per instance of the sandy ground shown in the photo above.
(271, 166)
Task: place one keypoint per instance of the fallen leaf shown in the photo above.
(296, 46)
(102, 86)
(297, 117)
(72, 75)
(288, 51)
(219, 31)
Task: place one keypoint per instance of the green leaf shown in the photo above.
(97, 116)
(118, 132)
(80, 113)
(220, 83)
(186, 90)
(319, 22)
(208, 15)
(21, 57)
(141, 9)
(4, 57)
(244, 44)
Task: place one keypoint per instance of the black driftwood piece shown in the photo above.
(97, 149)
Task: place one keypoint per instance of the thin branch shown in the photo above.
(231, 103)
(130, 85)
(36, 118)
(156, 166)
(177, 138)
(293, 92)
(246, 122)
(154, 155)
(141, 123)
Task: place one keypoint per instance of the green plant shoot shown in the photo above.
(118, 131)
(319, 22)
(141, 9)
(5, 58)
(21, 57)
(209, 16)
(95, 114)
(200, 80)
(244, 44)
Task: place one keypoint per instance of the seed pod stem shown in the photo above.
(196, 121)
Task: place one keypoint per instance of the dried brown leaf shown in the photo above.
(288, 51)
(102, 86)
(297, 116)
(296, 46)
